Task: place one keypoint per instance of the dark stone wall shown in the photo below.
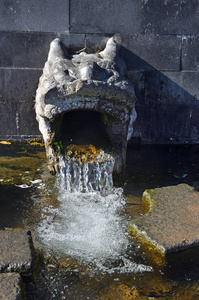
(159, 43)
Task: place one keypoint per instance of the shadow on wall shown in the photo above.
(167, 102)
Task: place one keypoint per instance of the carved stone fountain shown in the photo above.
(85, 82)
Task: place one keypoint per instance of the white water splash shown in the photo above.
(89, 226)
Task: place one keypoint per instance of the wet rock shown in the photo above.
(16, 252)
(172, 220)
(10, 286)
(124, 292)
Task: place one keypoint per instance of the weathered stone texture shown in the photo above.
(91, 82)
(46, 16)
(169, 17)
(105, 16)
(10, 286)
(190, 53)
(30, 49)
(135, 17)
(171, 88)
(17, 93)
(126, 17)
(16, 252)
(167, 106)
(24, 50)
(172, 221)
(151, 52)
(169, 124)
(159, 42)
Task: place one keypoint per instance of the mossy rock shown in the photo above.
(172, 219)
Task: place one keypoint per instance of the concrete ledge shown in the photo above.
(16, 251)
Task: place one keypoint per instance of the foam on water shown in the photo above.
(89, 226)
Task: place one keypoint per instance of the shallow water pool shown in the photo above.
(82, 247)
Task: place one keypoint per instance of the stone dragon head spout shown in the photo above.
(86, 82)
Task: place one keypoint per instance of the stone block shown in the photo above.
(21, 89)
(190, 85)
(151, 52)
(17, 95)
(105, 16)
(30, 49)
(175, 123)
(16, 252)
(8, 120)
(2, 86)
(45, 16)
(181, 87)
(11, 286)
(134, 17)
(171, 221)
(21, 84)
(166, 124)
(190, 53)
(24, 49)
(167, 106)
(169, 17)
(73, 42)
(171, 123)
(170, 88)
(27, 126)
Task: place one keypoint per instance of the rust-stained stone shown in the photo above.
(172, 220)
(16, 252)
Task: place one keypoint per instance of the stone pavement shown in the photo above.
(16, 259)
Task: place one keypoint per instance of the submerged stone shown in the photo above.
(16, 252)
(172, 219)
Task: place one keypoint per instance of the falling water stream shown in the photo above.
(88, 224)
(82, 246)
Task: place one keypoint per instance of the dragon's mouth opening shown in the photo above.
(82, 128)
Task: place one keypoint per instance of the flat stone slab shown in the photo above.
(172, 220)
(16, 253)
(10, 286)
